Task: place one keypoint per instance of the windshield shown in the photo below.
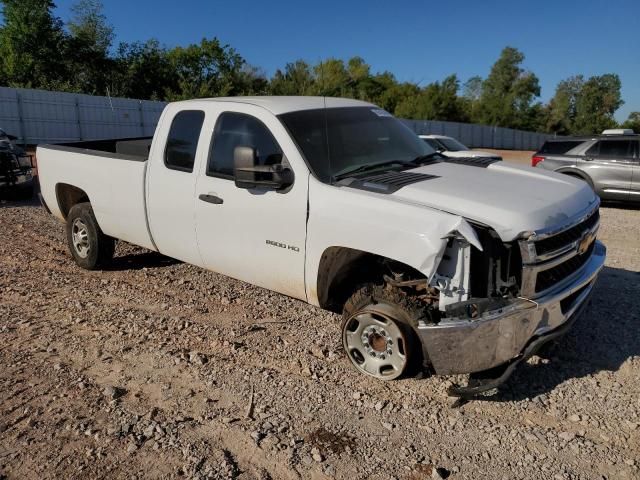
(336, 141)
(452, 145)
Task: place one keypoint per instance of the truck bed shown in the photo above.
(129, 147)
(111, 172)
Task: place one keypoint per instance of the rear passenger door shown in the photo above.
(171, 183)
(609, 163)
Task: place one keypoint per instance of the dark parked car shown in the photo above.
(610, 162)
(16, 176)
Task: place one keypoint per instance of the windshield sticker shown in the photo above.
(381, 113)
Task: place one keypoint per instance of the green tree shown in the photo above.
(562, 108)
(508, 92)
(633, 122)
(208, 69)
(332, 78)
(598, 100)
(143, 71)
(361, 84)
(252, 80)
(295, 79)
(437, 101)
(89, 26)
(87, 48)
(392, 94)
(582, 106)
(31, 45)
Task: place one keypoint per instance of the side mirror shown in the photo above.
(248, 174)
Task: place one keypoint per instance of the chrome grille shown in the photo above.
(548, 278)
(549, 258)
(567, 237)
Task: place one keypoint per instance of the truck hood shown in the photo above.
(510, 198)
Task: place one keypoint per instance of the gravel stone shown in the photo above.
(195, 350)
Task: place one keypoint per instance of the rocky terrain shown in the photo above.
(157, 369)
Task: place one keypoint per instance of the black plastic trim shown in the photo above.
(388, 182)
(481, 162)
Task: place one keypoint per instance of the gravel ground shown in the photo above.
(157, 369)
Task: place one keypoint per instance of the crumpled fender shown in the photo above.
(379, 224)
(452, 225)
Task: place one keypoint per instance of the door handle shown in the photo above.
(211, 199)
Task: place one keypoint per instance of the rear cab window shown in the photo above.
(182, 141)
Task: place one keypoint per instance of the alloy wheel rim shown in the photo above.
(80, 238)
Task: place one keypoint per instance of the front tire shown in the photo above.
(90, 247)
(378, 332)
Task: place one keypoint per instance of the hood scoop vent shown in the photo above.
(387, 182)
(482, 162)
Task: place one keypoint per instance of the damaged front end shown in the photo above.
(480, 322)
(476, 272)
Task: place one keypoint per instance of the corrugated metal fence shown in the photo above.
(39, 116)
(481, 136)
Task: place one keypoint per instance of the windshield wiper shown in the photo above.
(372, 166)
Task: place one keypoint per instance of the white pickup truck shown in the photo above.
(436, 264)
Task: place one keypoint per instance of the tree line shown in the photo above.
(39, 50)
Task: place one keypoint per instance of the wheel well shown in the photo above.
(68, 196)
(575, 174)
(343, 270)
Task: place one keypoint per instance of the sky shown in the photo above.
(418, 41)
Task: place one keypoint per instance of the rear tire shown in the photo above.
(90, 247)
(378, 332)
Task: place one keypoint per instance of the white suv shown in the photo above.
(450, 147)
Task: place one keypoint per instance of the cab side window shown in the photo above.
(182, 142)
(240, 130)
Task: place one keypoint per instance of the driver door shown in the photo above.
(255, 235)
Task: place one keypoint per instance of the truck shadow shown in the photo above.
(12, 198)
(621, 205)
(9, 199)
(603, 339)
(138, 261)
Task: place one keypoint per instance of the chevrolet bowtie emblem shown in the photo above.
(585, 242)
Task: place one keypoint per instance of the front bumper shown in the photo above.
(497, 337)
